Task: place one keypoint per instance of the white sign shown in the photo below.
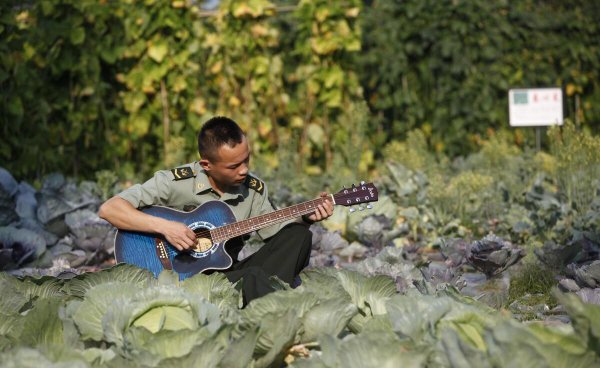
(535, 107)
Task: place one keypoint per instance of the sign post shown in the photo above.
(535, 107)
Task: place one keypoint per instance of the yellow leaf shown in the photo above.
(158, 50)
(333, 77)
(180, 84)
(313, 170)
(178, 4)
(332, 98)
(264, 127)
(296, 122)
(258, 30)
(212, 40)
(352, 12)
(198, 106)
(242, 10)
(313, 86)
(343, 29)
(284, 99)
(216, 68)
(253, 9)
(321, 14)
(353, 45)
(324, 45)
(138, 125)
(148, 89)
(22, 17)
(234, 101)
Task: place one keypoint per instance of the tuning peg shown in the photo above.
(369, 206)
(362, 182)
(360, 208)
(353, 186)
(352, 209)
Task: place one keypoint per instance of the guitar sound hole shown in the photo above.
(202, 244)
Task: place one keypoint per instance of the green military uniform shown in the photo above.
(288, 245)
(188, 187)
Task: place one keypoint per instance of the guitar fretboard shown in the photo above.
(226, 232)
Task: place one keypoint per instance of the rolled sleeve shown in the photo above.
(155, 191)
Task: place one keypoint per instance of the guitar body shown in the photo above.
(214, 219)
(140, 249)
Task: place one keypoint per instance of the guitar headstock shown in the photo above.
(357, 195)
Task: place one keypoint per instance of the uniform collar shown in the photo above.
(202, 184)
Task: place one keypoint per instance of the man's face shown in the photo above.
(230, 168)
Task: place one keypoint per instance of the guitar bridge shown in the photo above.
(161, 253)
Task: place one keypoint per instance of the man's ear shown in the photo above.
(205, 164)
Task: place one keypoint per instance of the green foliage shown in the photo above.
(124, 317)
(449, 64)
(585, 320)
(246, 71)
(504, 189)
(56, 103)
(578, 164)
(511, 169)
(321, 79)
(124, 86)
(107, 180)
(535, 279)
(414, 153)
(464, 195)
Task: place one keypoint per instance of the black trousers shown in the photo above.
(284, 255)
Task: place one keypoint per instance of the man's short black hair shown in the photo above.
(216, 132)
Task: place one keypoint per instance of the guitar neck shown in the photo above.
(226, 232)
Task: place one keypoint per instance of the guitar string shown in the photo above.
(220, 230)
(263, 224)
(270, 221)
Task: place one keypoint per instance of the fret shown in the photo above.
(258, 222)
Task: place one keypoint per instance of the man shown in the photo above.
(221, 174)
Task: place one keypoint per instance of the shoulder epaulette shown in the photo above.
(255, 184)
(181, 173)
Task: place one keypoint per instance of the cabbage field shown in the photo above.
(489, 260)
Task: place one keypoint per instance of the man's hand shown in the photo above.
(179, 235)
(323, 211)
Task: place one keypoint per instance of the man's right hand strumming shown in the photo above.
(179, 235)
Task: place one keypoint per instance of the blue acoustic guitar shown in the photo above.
(214, 224)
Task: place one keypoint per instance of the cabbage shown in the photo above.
(23, 245)
(368, 349)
